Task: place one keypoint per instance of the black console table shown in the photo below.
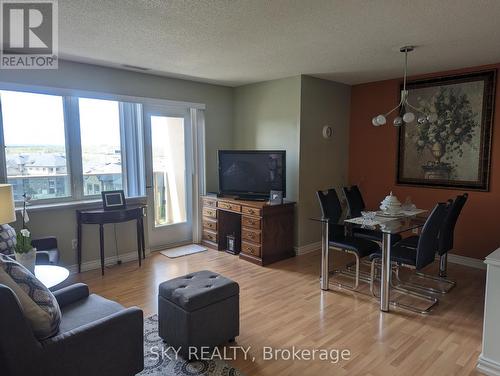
(101, 217)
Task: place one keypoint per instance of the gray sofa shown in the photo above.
(96, 337)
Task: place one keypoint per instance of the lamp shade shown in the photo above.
(7, 208)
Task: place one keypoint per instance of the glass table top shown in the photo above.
(388, 226)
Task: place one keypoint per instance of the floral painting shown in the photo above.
(453, 151)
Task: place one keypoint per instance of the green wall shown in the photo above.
(323, 162)
(266, 116)
(290, 114)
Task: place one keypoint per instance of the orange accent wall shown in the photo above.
(373, 159)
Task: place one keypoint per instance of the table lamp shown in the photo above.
(7, 215)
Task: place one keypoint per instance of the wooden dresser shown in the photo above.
(264, 233)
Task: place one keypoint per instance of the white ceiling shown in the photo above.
(234, 42)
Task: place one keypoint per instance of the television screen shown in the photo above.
(251, 172)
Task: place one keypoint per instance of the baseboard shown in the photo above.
(487, 366)
(308, 248)
(111, 260)
(466, 261)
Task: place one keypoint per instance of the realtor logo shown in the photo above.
(28, 34)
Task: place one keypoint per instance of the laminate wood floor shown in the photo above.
(282, 306)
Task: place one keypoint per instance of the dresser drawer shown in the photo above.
(210, 212)
(209, 203)
(229, 206)
(250, 222)
(209, 235)
(250, 235)
(250, 249)
(210, 224)
(251, 211)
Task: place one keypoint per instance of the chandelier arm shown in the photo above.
(395, 108)
(416, 109)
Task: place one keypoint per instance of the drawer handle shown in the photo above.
(251, 235)
(250, 211)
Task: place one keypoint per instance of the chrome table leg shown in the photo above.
(324, 256)
(443, 265)
(385, 273)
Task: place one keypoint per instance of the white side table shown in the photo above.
(51, 275)
(489, 360)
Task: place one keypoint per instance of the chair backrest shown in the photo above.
(447, 232)
(429, 237)
(330, 205)
(355, 201)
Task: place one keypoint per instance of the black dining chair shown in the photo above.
(355, 205)
(414, 258)
(338, 240)
(445, 244)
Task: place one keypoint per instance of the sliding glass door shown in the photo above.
(169, 168)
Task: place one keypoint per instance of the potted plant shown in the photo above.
(24, 251)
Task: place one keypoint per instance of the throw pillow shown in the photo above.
(7, 239)
(38, 304)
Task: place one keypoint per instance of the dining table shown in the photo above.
(388, 226)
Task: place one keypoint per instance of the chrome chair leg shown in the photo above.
(443, 268)
(355, 285)
(443, 265)
(395, 271)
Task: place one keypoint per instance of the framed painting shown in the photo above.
(453, 151)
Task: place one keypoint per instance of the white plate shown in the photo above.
(387, 215)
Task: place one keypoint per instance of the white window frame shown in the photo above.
(72, 135)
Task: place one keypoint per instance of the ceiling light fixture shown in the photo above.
(405, 113)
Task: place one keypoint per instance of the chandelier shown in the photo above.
(405, 109)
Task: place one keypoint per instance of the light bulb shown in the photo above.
(431, 118)
(422, 119)
(381, 120)
(408, 117)
(375, 122)
(398, 121)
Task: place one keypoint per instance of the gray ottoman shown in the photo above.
(197, 310)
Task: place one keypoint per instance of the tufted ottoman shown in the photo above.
(197, 310)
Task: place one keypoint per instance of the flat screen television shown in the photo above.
(252, 174)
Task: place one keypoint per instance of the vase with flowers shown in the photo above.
(24, 252)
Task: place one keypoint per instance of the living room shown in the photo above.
(257, 188)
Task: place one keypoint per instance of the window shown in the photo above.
(70, 148)
(169, 169)
(101, 149)
(35, 144)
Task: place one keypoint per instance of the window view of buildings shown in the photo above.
(37, 148)
(44, 175)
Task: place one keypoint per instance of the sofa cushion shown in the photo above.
(38, 304)
(87, 310)
(198, 290)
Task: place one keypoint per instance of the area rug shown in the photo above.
(183, 250)
(158, 364)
